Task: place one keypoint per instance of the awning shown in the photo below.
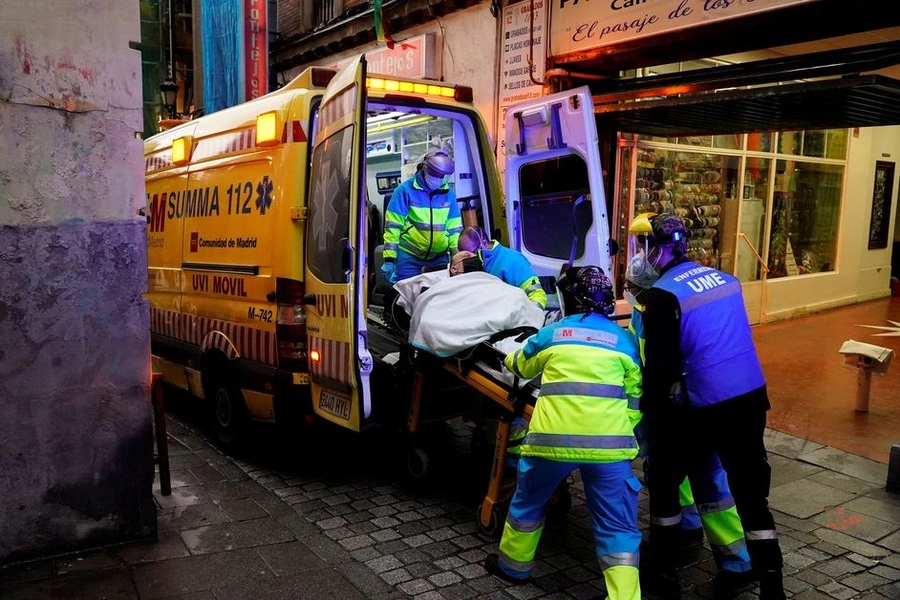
(850, 101)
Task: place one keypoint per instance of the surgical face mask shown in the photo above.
(631, 298)
(433, 183)
(641, 271)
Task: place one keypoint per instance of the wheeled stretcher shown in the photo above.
(483, 371)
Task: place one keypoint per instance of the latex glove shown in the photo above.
(387, 271)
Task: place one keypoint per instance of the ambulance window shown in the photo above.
(549, 215)
(329, 207)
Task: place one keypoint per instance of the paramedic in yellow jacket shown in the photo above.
(583, 419)
(422, 221)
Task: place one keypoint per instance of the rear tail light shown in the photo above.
(290, 324)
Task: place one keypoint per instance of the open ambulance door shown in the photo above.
(335, 266)
(555, 203)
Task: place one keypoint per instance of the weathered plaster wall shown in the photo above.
(75, 423)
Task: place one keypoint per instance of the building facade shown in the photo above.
(782, 164)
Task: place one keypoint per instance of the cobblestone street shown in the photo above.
(423, 541)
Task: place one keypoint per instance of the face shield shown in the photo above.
(640, 272)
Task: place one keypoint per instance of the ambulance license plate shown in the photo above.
(334, 404)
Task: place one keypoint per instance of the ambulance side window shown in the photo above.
(549, 215)
(328, 227)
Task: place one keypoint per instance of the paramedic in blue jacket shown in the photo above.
(704, 387)
(583, 419)
(422, 221)
(507, 264)
(706, 501)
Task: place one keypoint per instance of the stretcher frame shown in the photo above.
(514, 400)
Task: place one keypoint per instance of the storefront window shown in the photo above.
(654, 138)
(818, 143)
(760, 142)
(805, 215)
(744, 209)
(790, 142)
(753, 218)
(728, 142)
(836, 144)
(699, 187)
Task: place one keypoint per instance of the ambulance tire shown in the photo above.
(229, 413)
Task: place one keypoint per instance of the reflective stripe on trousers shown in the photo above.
(611, 491)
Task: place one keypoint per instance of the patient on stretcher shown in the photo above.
(461, 311)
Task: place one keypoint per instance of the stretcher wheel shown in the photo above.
(418, 463)
(494, 527)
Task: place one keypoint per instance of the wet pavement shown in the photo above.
(331, 515)
(813, 395)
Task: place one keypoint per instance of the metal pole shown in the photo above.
(171, 45)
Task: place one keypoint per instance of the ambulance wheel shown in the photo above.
(560, 505)
(229, 414)
(494, 527)
(418, 463)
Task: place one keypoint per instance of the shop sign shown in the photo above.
(412, 58)
(256, 49)
(582, 25)
(523, 39)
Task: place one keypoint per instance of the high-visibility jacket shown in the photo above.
(423, 223)
(590, 389)
(513, 268)
(719, 357)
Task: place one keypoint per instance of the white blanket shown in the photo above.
(463, 311)
(410, 289)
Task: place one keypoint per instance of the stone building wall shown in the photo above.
(76, 464)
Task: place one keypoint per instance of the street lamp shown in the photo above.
(169, 91)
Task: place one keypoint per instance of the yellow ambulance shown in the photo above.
(263, 222)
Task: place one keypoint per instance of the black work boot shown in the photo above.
(658, 570)
(771, 586)
(492, 566)
(664, 584)
(727, 584)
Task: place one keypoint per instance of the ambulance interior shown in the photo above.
(397, 140)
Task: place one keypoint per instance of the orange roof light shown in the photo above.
(461, 93)
(267, 130)
(181, 150)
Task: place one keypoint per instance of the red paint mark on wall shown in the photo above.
(85, 72)
(23, 54)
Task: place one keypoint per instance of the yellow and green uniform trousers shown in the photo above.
(422, 227)
(611, 491)
(712, 508)
(583, 419)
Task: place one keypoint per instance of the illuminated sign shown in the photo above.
(412, 58)
(256, 49)
(581, 25)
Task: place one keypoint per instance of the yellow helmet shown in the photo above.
(640, 224)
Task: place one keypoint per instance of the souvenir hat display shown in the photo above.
(689, 185)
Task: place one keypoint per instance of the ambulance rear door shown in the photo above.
(555, 204)
(335, 270)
